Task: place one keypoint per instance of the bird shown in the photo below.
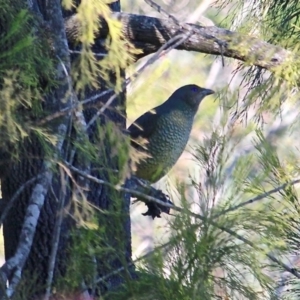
(166, 129)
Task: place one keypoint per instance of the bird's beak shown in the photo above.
(207, 92)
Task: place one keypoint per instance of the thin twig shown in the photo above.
(94, 53)
(257, 198)
(181, 25)
(293, 271)
(283, 283)
(72, 107)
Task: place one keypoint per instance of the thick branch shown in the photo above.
(148, 34)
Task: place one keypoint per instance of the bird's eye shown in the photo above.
(194, 89)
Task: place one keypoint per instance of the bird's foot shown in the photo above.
(156, 201)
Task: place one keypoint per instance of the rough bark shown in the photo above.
(28, 227)
(149, 34)
(58, 195)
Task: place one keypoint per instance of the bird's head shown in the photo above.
(191, 95)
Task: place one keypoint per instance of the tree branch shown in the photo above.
(149, 34)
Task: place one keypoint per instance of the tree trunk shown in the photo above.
(114, 224)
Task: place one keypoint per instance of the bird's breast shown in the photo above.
(166, 144)
(175, 129)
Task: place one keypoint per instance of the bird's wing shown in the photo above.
(143, 127)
